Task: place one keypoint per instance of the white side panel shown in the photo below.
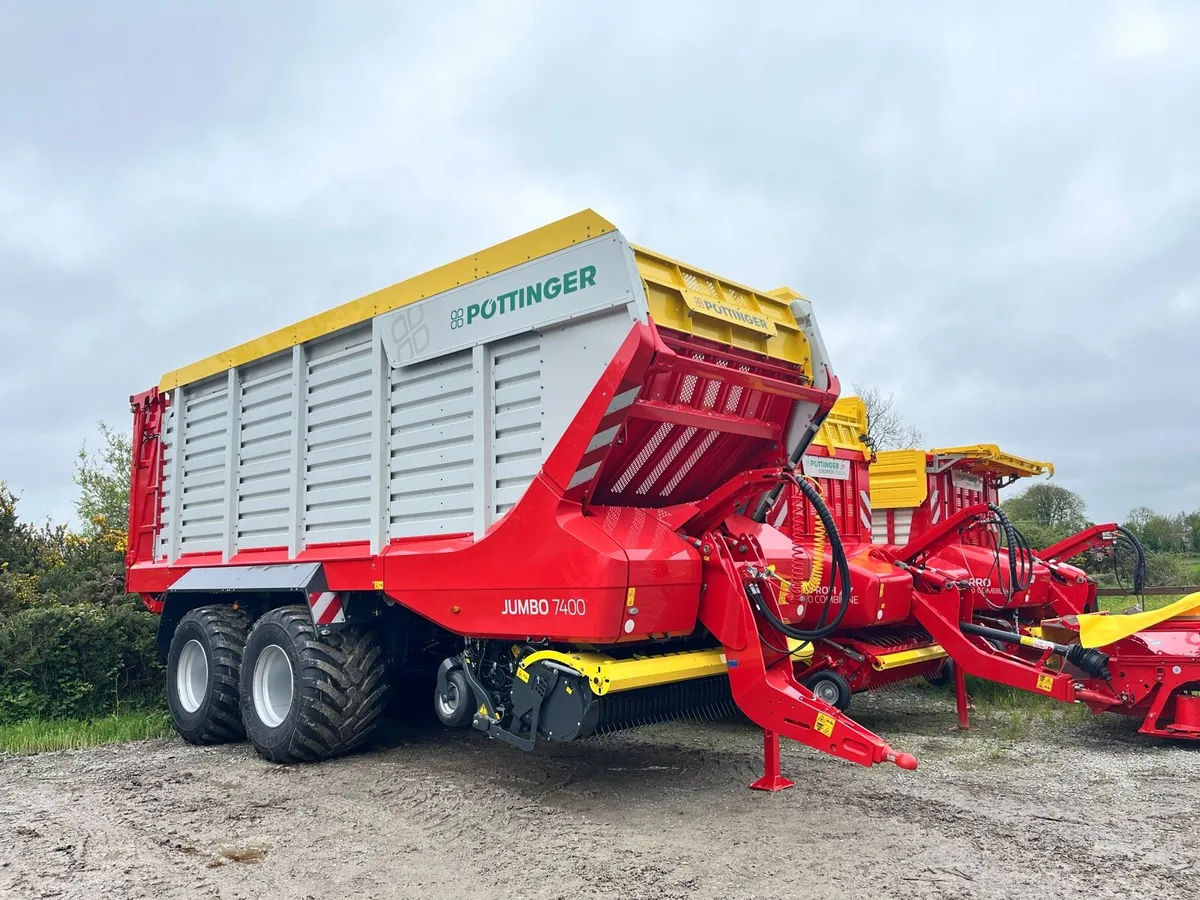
(518, 445)
(903, 526)
(575, 355)
(431, 422)
(204, 443)
(265, 453)
(167, 500)
(337, 480)
(879, 526)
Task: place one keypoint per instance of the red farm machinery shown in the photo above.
(944, 586)
(518, 474)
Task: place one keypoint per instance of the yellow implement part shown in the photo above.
(1099, 630)
(907, 657)
(844, 427)
(705, 305)
(991, 459)
(801, 650)
(608, 675)
(898, 479)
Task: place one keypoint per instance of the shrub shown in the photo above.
(78, 661)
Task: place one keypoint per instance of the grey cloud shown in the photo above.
(996, 208)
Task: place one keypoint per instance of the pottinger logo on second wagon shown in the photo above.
(522, 297)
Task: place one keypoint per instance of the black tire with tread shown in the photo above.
(844, 692)
(339, 687)
(222, 631)
(464, 712)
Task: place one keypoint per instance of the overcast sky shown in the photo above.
(995, 206)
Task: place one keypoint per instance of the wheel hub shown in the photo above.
(273, 686)
(191, 676)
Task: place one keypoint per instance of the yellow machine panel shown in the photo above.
(845, 427)
(708, 306)
(898, 479)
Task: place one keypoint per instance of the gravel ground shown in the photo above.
(1072, 809)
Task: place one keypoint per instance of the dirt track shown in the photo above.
(1082, 809)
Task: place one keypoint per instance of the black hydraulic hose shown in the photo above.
(841, 573)
(810, 432)
(1020, 554)
(1139, 559)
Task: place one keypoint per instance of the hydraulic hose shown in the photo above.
(1139, 560)
(1020, 553)
(841, 573)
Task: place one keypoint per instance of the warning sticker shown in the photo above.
(824, 724)
(1045, 683)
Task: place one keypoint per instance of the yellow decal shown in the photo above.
(569, 691)
(482, 710)
(629, 596)
(1045, 683)
(522, 674)
(733, 315)
(824, 724)
(785, 588)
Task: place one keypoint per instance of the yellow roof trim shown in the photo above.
(844, 427)
(991, 459)
(558, 235)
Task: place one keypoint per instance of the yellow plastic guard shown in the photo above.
(1098, 630)
(991, 459)
(696, 302)
(608, 675)
(844, 427)
(898, 479)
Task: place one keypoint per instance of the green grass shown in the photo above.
(42, 735)
(1191, 568)
(1120, 604)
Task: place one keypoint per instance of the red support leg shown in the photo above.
(961, 699)
(772, 780)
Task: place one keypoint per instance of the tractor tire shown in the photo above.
(456, 707)
(830, 687)
(204, 669)
(307, 698)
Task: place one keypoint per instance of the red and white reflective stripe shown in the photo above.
(864, 510)
(937, 510)
(597, 448)
(326, 608)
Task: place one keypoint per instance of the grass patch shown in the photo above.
(42, 735)
(1120, 604)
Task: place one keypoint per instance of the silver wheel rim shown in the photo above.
(447, 703)
(273, 686)
(191, 677)
(827, 691)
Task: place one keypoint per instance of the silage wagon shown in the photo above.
(517, 471)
